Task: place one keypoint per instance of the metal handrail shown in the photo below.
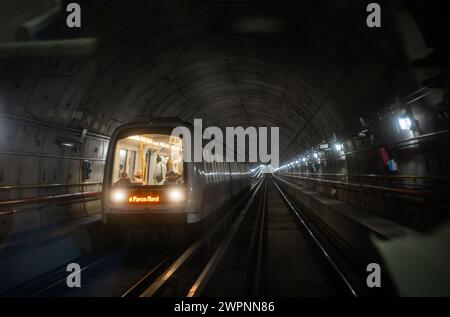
(49, 125)
(27, 186)
(413, 177)
(401, 191)
(43, 199)
(396, 144)
(52, 156)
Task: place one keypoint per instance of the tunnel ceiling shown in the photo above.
(312, 68)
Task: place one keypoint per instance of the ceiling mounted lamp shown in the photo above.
(67, 144)
(405, 122)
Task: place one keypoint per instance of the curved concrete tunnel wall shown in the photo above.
(218, 62)
(31, 154)
(312, 70)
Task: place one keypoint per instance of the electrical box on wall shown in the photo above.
(86, 170)
(393, 166)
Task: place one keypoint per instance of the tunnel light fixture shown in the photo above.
(303, 159)
(316, 155)
(405, 123)
(141, 139)
(67, 144)
(338, 147)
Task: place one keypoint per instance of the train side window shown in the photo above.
(123, 159)
(205, 172)
(210, 171)
(207, 168)
(138, 157)
(214, 170)
(218, 171)
(221, 171)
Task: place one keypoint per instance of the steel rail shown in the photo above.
(161, 280)
(142, 280)
(260, 243)
(400, 191)
(317, 243)
(200, 284)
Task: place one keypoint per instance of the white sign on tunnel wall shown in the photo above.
(234, 149)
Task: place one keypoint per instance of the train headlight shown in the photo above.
(176, 195)
(118, 196)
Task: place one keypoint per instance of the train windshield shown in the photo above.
(148, 160)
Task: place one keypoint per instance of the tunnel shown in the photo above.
(349, 196)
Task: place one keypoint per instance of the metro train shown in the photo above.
(146, 180)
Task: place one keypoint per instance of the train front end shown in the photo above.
(146, 180)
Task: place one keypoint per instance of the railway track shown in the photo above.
(268, 249)
(104, 273)
(178, 274)
(334, 281)
(264, 246)
(111, 270)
